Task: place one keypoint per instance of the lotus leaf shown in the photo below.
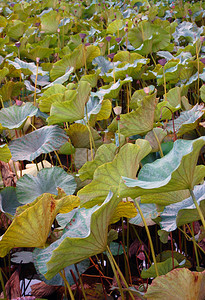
(108, 176)
(50, 21)
(139, 121)
(155, 138)
(202, 93)
(79, 136)
(164, 255)
(5, 154)
(43, 140)
(85, 235)
(29, 187)
(183, 212)
(10, 89)
(174, 171)
(185, 285)
(14, 117)
(31, 67)
(163, 268)
(149, 211)
(8, 200)
(104, 64)
(124, 209)
(104, 154)
(70, 111)
(187, 121)
(31, 227)
(112, 91)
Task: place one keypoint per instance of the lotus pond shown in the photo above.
(102, 124)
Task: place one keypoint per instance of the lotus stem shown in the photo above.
(197, 207)
(81, 282)
(2, 284)
(160, 148)
(165, 87)
(188, 238)
(195, 248)
(110, 257)
(84, 58)
(58, 158)
(67, 285)
(198, 79)
(149, 236)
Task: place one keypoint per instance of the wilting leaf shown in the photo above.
(183, 212)
(31, 227)
(29, 187)
(73, 110)
(84, 236)
(5, 154)
(108, 176)
(184, 285)
(187, 121)
(104, 154)
(43, 140)
(163, 268)
(14, 117)
(174, 171)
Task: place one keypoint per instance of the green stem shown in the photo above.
(195, 248)
(115, 273)
(158, 142)
(198, 208)
(67, 285)
(119, 271)
(149, 237)
(81, 283)
(2, 284)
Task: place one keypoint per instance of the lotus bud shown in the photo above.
(17, 44)
(203, 60)
(111, 56)
(37, 24)
(58, 30)
(118, 40)
(108, 38)
(117, 110)
(87, 44)
(147, 90)
(37, 60)
(162, 61)
(82, 36)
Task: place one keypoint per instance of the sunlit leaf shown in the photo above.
(5, 154)
(184, 285)
(84, 236)
(43, 140)
(29, 187)
(14, 117)
(31, 227)
(124, 209)
(50, 21)
(108, 176)
(164, 255)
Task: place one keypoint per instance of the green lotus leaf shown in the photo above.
(67, 149)
(43, 140)
(163, 268)
(85, 235)
(187, 121)
(164, 255)
(115, 26)
(184, 285)
(190, 31)
(3, 73)
(175, 171)
(29, 187)
(61, 79)
(139, 121)
(172, 71)
(108, 176)
(183, 212)
(73, 110)
(136, 98)
(57, 280)
(30, 228)
(147, 37)
(8, 200)
(92, 78)
(14, 117)
(126, 56)
(75, 60)
(23, 65)
(104, 154)
(11, 89)
(112, 91)
(79, 136)
(202, 93)
(104, 64)
(3, 21)
(164, 111)
(104, 113)
(124, 209)
(5, 154)
(40, 52)
(16, 30)
(50, 21)
(155, 138)
(123, 70)
(149, 211)
(174, 96)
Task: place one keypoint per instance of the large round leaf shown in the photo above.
(8, 200)
(31, 225)
(5, 154)
(15, 116)
(43, 140)
(85, 235)
(179, 284)
(29, 187)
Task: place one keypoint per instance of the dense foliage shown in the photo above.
(102, 149)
